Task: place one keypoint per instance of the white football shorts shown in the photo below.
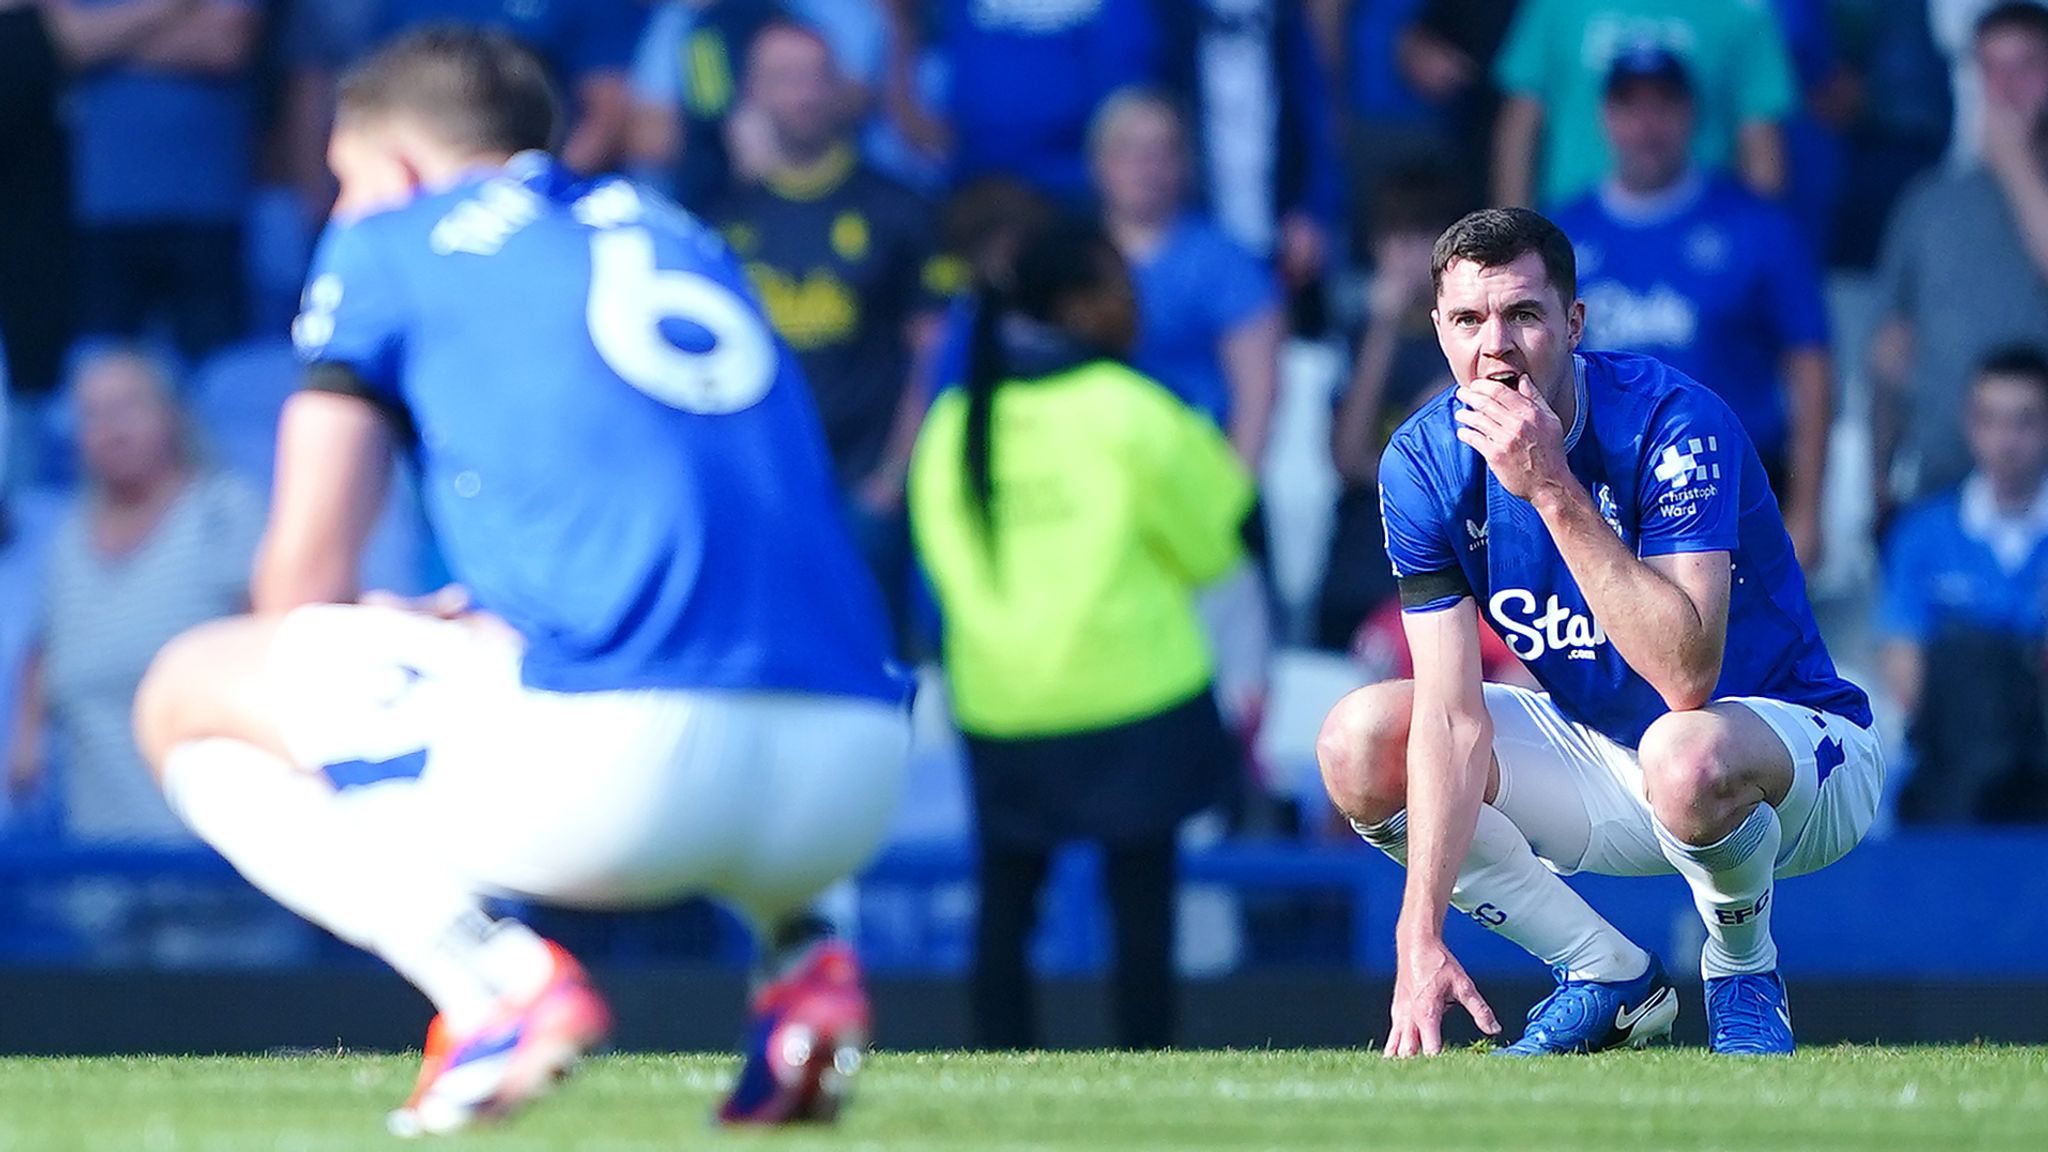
(600, 799)
(1579, 796)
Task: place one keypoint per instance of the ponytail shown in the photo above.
(987, 367)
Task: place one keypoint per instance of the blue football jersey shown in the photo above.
(1672, 471)
(1717, 283)
(617, 455)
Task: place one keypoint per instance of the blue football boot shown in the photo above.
(1749, 1015)
(1590, 1016)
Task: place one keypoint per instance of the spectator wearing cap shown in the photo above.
(1686, 264)
(162, 112)
(1964, 267)
(1548, 142)
(842, 257)
(1962, 612)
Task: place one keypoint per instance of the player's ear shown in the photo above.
(1575, 323)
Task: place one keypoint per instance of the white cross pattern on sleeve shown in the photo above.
(1679, 468)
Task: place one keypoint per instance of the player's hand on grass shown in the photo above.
(1428, 979)
(1514, 429)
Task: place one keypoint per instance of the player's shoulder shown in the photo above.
(1631, 394)
(1427, 443)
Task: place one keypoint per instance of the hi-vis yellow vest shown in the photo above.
(1113, 502)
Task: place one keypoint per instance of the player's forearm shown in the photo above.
(289, 576)
(1658, 630)
(1811, 375)
(1448, 756)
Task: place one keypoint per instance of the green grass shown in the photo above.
(1945, 1099)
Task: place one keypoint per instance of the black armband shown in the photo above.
(342, 380)
(1425, 588)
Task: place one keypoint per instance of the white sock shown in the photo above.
(350, 862)
(1503, 886)
(1731, 883)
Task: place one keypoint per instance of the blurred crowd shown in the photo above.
(1832, 212)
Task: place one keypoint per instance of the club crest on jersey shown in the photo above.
(1531, 635)
(1609, 510)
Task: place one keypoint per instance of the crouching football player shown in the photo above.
(675, 675)
(1610, 519)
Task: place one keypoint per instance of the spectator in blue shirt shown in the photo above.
(1965, 585)
(1693, 268)
(1208, 312)
(163, 131)
(1027, 77)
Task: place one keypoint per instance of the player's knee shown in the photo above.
(1688, 771)
(1362, 751)
(183, 694)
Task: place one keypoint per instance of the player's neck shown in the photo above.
(438, 174)
(1564, 400)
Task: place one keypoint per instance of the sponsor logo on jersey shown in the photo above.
(1531, 634)
(1476, 529)
(1691, 474)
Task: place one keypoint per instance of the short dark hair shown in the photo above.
(1492, 237)
(2013, 16)
(474, 89)
(2016, 361)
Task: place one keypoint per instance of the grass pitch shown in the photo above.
(1946, 1099)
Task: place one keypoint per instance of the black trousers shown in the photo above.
(187, 277)
(1140, 878)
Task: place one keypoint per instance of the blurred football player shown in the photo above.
(667, 670)
(1611, 520)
